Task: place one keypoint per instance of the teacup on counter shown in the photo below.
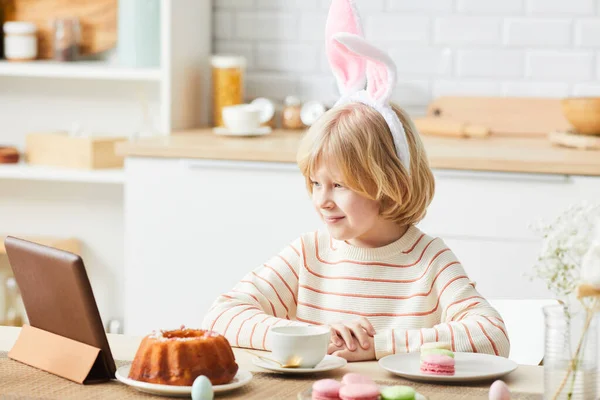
(243, 120)
(309, 343)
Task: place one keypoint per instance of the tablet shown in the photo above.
(57, 294)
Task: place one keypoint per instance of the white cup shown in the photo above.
(309, 343)
(241, 118)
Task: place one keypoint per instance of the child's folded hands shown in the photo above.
(351, 334)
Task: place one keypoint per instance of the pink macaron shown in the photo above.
(359, 391)
(436, 364)
(353, 377)
(326, 389)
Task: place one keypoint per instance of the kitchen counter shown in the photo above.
(501, 153)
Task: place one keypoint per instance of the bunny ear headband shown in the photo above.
(354, 62)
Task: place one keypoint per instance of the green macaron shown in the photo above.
(398, 393)
(441, 352)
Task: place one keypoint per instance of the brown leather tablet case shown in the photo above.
(66, 335)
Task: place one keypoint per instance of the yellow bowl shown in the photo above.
(583, 113)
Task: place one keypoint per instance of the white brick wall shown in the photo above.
(547, 48)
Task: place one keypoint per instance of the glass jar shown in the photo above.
(67, 35)
(20, 41)
(570, 366)
(227, 84)
(291, 115)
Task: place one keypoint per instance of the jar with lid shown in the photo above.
(227, 84)
(20, 41)
(67, 36)
(291, 115)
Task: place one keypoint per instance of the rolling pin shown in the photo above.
(450, 128)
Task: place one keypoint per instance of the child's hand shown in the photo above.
(347, 333)
(357, 355)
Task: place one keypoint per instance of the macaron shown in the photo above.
(398, 393)
(436, 345)
(442, 352)
(353, 377)
(435, 364)
(359, 391)
(326, 389)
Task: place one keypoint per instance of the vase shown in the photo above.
(570, 352)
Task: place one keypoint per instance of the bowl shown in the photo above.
(583, 113)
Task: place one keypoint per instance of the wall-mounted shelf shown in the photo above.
(56, 174)
(91, 70)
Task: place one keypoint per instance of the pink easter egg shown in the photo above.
(499, 391)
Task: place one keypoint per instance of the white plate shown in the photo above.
(327, 364)
(240, 379)
(263, 130)
(469, 367)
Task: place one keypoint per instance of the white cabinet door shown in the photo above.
(195, 228)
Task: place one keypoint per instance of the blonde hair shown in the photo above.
(357, 140)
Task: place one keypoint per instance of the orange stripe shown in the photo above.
(234, 317)
(246, 293)
(275, 290)
(212, 327)
(308, 321)
(353, 278)
(497, 326)
(295, 249)
(421, 334)
(237, 337)
(488, 337)
(437, 335)
(393, 342)
(289, 265)
(415, 314)
(461, 300)
(451, 336)
(284, 282)
(254, 328)
(372, 296)
(464, 311)
(473, 348)
(406, 341)
(414, 245)
(370, 264)
(260, 291)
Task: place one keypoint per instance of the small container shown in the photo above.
(291, 115)
(227, 84)
(20, 41)
(67, 37)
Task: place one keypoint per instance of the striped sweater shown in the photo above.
(413, 291)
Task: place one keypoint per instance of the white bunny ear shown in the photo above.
(381, 69)
(348, 68)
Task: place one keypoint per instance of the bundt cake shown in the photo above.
(179, 356)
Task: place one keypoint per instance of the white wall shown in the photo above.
(441, 47)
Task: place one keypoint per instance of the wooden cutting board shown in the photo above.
(98, 19)
(506, 115)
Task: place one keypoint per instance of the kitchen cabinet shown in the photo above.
(193, 228)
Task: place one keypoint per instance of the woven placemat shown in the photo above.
(22, 382)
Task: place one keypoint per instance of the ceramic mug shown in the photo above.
(241, 118)
(309, 343)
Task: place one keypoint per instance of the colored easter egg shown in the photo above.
(202, 389)
(499, 391)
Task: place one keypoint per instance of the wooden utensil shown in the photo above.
(98, 20)
(574, 140)
(506, 115)
(448, 127)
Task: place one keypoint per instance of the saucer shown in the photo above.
(260, 131)
(327, 364)
(240, 379)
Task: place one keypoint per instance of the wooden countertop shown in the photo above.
(501, 153)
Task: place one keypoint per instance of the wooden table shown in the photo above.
(526, 381)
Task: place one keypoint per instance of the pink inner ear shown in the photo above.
(347, 66)
(378, 79)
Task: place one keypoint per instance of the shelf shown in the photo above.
(56, 174)
(94, 70)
